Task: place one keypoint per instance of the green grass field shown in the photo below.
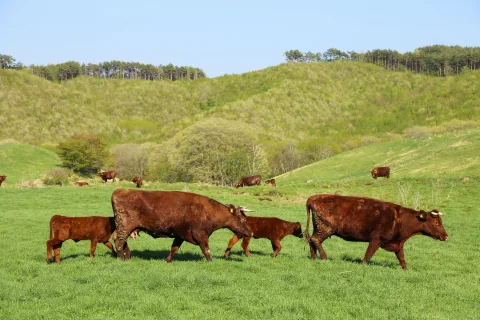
(23, 162)
(442, 281)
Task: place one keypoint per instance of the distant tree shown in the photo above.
(294, 56)
(84, 154)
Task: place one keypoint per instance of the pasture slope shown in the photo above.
(24, 162)
(442, 281)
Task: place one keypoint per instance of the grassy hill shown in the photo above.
(341, 101)
(21, 162)
(453, 155)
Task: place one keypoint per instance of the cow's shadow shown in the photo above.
(240, 253)
(371, 262)
(85, 255)
(179, 256)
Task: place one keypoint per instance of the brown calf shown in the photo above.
(271, 181)
(2, 178)
(380, 172)
(81, 183)
(138, 181)
(95, 229)
(273, 229)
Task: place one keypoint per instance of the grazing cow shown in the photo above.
(2, 178)
(95, 229)
(380, 172)
(271, 181)
(382, 224)
(174, 214)
(273, 229)
(106, 175)
(81, 183)
(138, 181)
(248, 181)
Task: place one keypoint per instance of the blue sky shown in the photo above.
(224, 37)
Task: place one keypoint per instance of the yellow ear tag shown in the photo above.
(231, 210)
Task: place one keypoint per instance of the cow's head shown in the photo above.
(240, 224)
(297, 230)
(432, 225)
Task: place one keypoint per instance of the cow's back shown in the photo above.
(164, 212)
(84, 228)
(353, 218)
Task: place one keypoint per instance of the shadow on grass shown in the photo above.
(85, 255)
(253, 252)
(179, 256)
(371, 262)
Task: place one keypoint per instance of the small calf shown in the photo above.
(274, 229)
(2, 178)
(271, 181)
(96, 229)
(81, 183)
(138, 181)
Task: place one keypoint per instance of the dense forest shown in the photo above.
(110, 69)
(436, 60)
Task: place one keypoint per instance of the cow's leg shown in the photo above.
(401, 258)
(231, 243)
(372, 248)
(56, 250)
(245, 243)
(202, 240)
(121, 244)
(110, 246)
(276, 246)
(316, 243)
(50, 245)
(93, 247)
(177, 242)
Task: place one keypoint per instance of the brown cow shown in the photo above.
(81, 183)
(107, 175)
(174, 214)
(380, 172)
(2, 178)
(271, 181)
(382, 224)
(273, 229)
(248, 181)
(95, 229)
(138, 181)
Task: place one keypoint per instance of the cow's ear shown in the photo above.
(422, 215)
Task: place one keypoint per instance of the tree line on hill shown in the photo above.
(109, 69)
(436, 60)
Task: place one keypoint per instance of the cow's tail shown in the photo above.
(305, 233)
(52, 221)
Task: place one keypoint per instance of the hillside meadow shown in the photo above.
(442, 281)
(340, 101)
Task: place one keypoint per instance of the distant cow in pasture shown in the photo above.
(271, 181)
(96, 229)
(383, 224)
(81, 183)
(2, 178)
(248, 181)
(273, 229)
(107, 175)
(380, 172)
(138, 181)
(180, 215)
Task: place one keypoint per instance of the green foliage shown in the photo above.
(57, 177)
(212, 151)
(84, 154)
